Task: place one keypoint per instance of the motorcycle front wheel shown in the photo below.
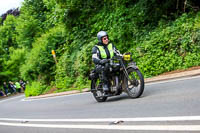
(96, 89)
(134, 88)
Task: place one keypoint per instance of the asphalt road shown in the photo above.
(170, 106)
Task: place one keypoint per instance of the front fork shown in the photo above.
(125, 72)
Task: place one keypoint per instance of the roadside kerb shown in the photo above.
(173, 76)
(147, 80)
(59, 94)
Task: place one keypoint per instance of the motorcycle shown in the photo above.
(123, 76)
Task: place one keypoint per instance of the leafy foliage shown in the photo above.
(162, 35)
(17, 58)
(39, 61)
(8, 34)
(14, 12)
(34, 89)
(169, 47)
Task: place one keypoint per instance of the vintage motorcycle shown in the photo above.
(123, 76)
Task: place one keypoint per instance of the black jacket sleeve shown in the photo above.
(95, 55)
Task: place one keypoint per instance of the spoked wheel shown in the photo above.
(97, 91)
(134, 88)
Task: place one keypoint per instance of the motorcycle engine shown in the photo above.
(115, 84)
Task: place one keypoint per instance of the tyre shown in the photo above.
(135, 88)
(96, 89)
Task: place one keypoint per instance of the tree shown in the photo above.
(14, 12)
(8, 34)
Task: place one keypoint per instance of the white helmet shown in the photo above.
(101, 34)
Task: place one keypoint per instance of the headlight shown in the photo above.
(127, 57)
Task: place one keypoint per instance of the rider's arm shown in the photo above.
(95, 55)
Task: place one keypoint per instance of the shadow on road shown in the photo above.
(120, 97)
(124, 96)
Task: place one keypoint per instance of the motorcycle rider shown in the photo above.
(101, 53)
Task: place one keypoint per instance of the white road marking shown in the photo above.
(11, 98)
(143, 119)
(112, 127)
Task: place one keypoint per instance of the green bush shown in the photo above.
(17, 58)
(169, 47)
(39, 61)
(34, 89)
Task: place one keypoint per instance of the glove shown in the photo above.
(104, 61)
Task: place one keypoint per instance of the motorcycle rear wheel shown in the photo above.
(136, 88)
(97, 93)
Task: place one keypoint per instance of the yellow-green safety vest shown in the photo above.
(103, 52)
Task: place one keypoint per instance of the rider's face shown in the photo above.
(105, 40)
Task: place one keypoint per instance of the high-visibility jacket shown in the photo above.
(17, 85)
(103, 51)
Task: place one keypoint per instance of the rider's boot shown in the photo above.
(105, 82)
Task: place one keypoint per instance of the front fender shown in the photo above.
(132, 65)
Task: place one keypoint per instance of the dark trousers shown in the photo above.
(6, 91)
(103, 71)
